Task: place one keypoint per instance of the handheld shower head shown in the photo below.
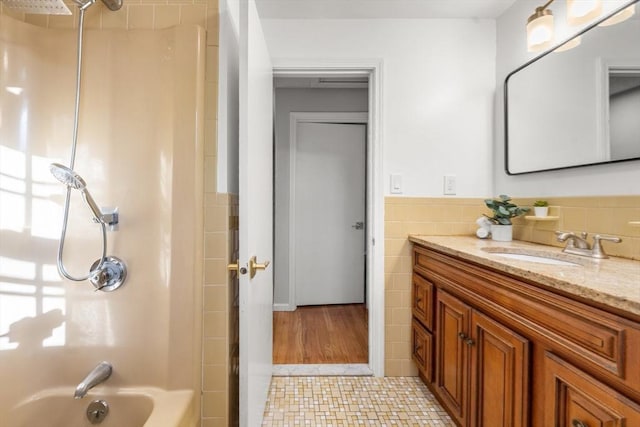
(67, 176)
(72, 180)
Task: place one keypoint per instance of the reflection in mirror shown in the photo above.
(624, 113)
(579, 107)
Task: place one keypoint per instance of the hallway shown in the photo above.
(321, 334)
(350, 401)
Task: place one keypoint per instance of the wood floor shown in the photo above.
(321, 334)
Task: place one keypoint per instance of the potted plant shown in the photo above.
(503, 211)
(541, 208)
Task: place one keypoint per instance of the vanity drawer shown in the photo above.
(422, 349)
(575, 399)
(422, 297)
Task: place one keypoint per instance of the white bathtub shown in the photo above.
(130, 407)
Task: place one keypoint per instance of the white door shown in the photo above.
(329, 213)
(256, 213)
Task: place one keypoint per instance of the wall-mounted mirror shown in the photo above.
(578, 107)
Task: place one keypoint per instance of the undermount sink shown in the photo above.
(539, 257)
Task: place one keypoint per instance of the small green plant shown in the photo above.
(503, 210)
(540, 203)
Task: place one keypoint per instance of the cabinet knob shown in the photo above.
(469, 341)
(577, 423)
(462, 336)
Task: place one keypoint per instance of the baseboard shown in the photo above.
(283, 307)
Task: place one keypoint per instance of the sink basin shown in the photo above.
(539, 257)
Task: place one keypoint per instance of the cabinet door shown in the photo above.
(575, 399)
(422, 349)
(422, 301)
(452, 358)
(499, 374)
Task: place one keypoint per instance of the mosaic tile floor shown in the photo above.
(352, 401)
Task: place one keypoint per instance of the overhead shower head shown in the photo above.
(55, 7)
(39, 7)
(72, 180)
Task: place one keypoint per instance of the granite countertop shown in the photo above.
(613, 282)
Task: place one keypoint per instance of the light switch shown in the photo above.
(449, 185)
(396, 183)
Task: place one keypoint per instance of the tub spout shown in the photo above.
(99, 374)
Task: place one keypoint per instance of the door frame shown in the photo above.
(373, 69)
(295, 118)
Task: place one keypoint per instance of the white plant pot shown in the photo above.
(502, 233)
(541, 210)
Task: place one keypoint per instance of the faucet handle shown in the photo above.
(598, 250)
(613, 239)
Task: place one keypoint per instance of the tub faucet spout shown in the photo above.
(98, 375)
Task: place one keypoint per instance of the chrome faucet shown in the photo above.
(98, 375)
(578, 245)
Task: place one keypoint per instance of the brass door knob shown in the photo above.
(235, 266)
(254, 266)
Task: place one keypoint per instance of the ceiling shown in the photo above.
(381, 9)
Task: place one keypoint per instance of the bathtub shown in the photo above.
(128, 407)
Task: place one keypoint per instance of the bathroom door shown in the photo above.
(255, 215)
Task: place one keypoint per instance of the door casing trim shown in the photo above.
(373, 68)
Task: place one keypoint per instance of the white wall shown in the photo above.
(512, 52)
(299, 100)
(438, 85)
(228, 72)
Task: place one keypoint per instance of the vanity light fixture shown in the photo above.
(540, 29)
(623, 15)
(583, 11)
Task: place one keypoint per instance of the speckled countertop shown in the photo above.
(613, 282)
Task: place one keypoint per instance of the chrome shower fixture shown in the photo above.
(71, 179)
(107, 273)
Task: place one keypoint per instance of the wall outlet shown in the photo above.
(449, 185)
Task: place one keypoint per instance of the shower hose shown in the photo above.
(61, 269)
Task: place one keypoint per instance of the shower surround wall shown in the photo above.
(141, 146)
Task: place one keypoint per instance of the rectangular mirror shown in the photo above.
(577, 107)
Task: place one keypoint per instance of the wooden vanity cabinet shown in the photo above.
(501, 351)
(481, 366)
